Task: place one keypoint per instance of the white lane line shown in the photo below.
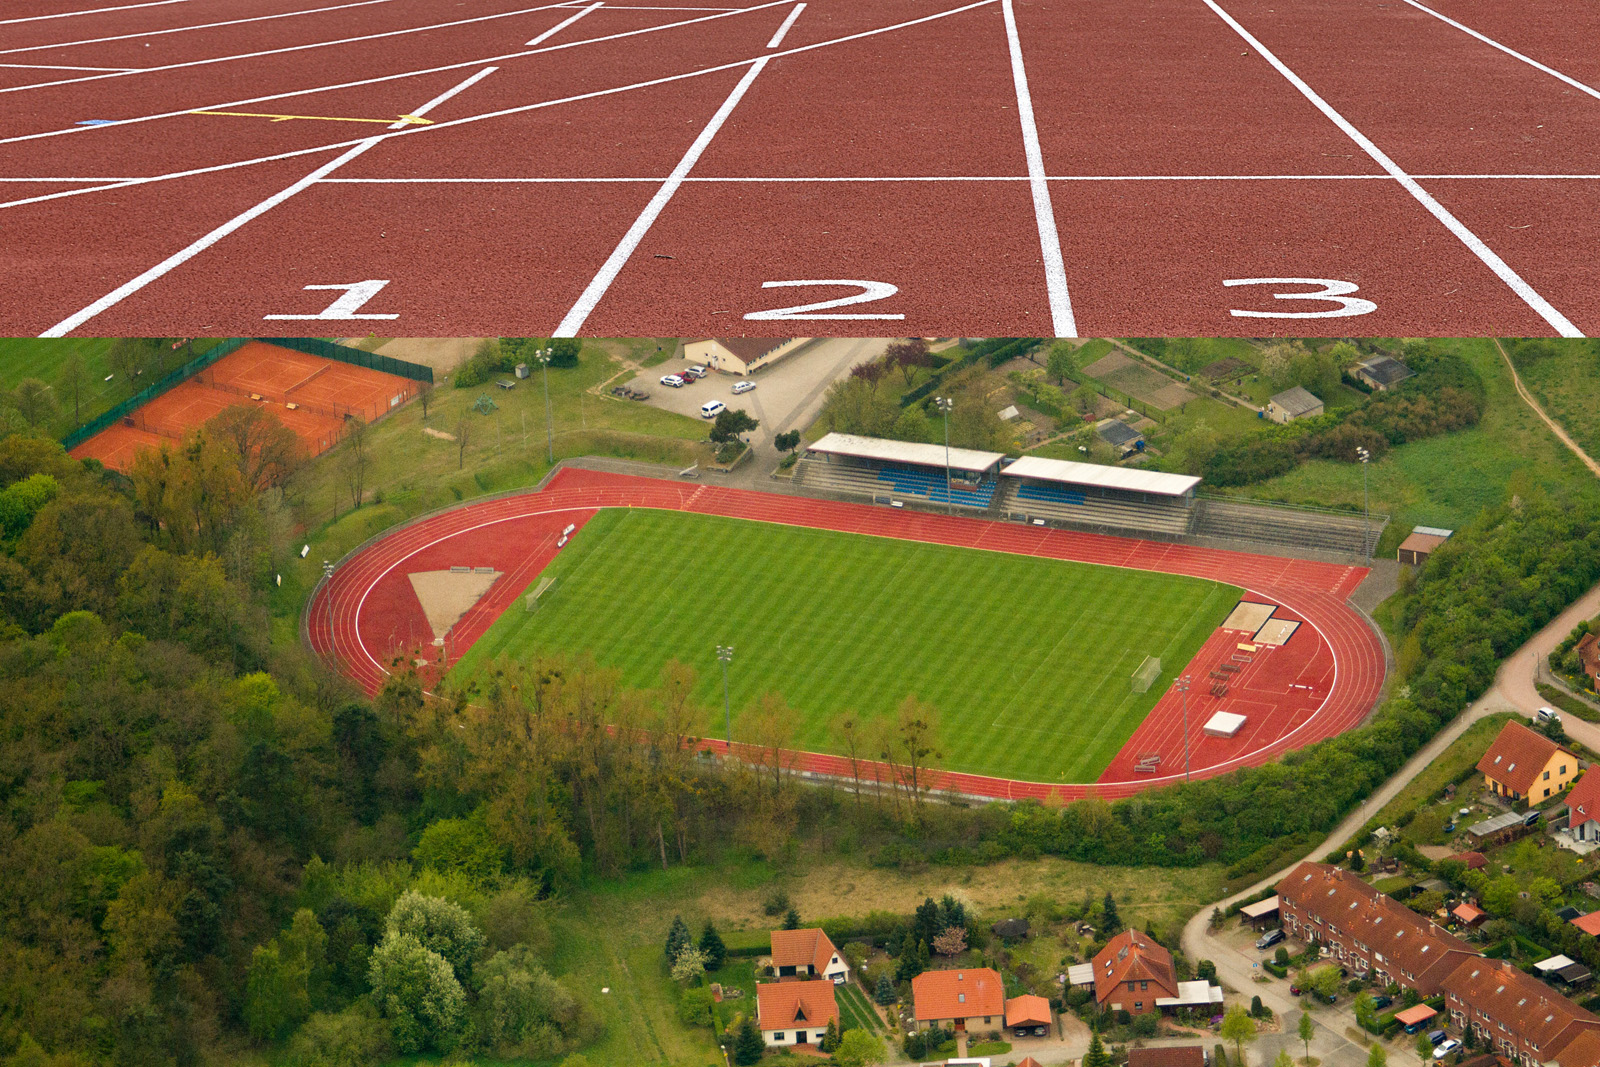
(122, 292)
(783, 30)
(1055, 269)
(636, 7)
(89, 11)
(563, 24)
(574, 319)
(396, 77)
(295, 48)
(1501, 268)
(186, 29)
(933, 178)
(1491, 42)
(318, 149)
(59, 66)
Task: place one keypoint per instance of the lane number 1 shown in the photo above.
(346, 306)
(1329, 289)
(870, 292)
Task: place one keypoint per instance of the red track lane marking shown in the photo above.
(785, 25)
(116, 296)
(1508, 50)
(563, 24)
(1346, 637)
(90, 11)
(186, 29)
(1501, 269)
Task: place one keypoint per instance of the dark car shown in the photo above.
(1436, 1036)
(1380, 1002)
(1328, 998)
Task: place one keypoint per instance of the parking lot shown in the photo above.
(787, 396)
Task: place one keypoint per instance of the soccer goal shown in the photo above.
(1146, 675)
(531, 601)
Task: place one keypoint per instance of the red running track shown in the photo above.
(1323, 681)
(1438, 156)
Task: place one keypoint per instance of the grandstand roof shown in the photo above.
(848, 444)
(1063, 470)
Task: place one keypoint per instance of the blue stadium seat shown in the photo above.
(930, 485)
(1051, 493)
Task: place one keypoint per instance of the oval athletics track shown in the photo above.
(368, 613)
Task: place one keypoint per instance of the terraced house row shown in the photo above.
(1511, 1013)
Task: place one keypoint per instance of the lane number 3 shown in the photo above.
(870, 292)
(1329, 289)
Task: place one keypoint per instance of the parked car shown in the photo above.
(1295, 991)
(1437, 1036)
(711, 408)
(1444, 1048)
(743, 387)
(695, 371)
(1270, 938)
(673, 381)
(1040, 1031)
(1328, 998)
(1380, 1002)
(1549, 715)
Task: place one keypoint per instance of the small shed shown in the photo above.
(1497, 830)
(1010, 929)
(1291, 404)
(1119, 434)
(1381, 372)
(1261, 913)
(1563, 969)
(1467, 915)
(1416, 548)
(1081, 975)
(1475, 861)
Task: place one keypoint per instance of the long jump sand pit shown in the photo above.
(1247, 617)
(445, 596)
(1276, 631)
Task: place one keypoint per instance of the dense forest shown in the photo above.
(212, 843)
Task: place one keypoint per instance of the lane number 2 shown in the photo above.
(1330, 289)
(348, 305)
(870, 293)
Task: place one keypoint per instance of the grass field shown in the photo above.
(855, 1012)
(1567, 386)
(1028, 661)
(44, 358)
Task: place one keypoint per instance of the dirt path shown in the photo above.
(1555, 427)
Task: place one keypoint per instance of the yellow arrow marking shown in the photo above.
(410, 120)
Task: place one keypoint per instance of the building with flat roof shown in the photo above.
(1417, 547)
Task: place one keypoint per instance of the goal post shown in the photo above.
(1146, 675)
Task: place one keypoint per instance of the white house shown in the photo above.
(795, 1013)
(739, 355)
(808, 954)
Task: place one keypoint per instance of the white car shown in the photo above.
(696, 371)
(743, 387)
(673, 381)
(1444, 1048)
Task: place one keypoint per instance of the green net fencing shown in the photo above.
(122, 410)
(316, 346)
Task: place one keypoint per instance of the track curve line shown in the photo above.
(355, 616)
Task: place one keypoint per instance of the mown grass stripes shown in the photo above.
(1027, 660)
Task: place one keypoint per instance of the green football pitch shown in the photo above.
(1028, 661)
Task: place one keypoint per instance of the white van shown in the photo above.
(709, 409)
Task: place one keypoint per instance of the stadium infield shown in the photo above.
(1325, 680)
(1028, 661)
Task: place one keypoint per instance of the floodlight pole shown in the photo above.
(327, 599)
(1366, 511)
(725, 653)
(1182, 685)
(543, 356)
(944, 403)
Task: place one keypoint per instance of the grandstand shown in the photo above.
(1283, 524)
(1097, 497)
(897, 471)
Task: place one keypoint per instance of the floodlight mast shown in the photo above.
(725, 654)
(1182, 686)
(1366, 512)
(944, 404)
(327, 599)
(543, 356)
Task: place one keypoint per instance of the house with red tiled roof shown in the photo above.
(959, 1000)
(1589, 924)
(807, 954)
(1582, 1051)
(1475, 861)
(1588, 649)
(795, 1013)
(1583, 808)
(1132, 972)
(1524, 764)
(1365, 930)
(1167, 1056)
(1514, 1014)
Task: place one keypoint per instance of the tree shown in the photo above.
(1060, 364)
(1206, 970)
(1307, 1031)
(689, 966)
(787, 441)
(917, 725)
(1257, 1009)
(72, 377)
(564, 351)
(885, 992)
(275, 994)
(1097, 1056)
(678, 938)
(912, 425)
(909, 355)
(791, 919)
(1376, 1056)
(952, 942)
(416, 989)
(1238, 1027)
(747, 1044)
(859, 1048)
(730, 423)
(129, 356)
(357, 457)
(830, 1038)
(34, 401)
(463, 434)
(265, 451)
(1110, 921)
(1424, 1047)
(425, 397)
(522, 1012)
(439, 925)
(1324, 981)
(1281, 957)
(851, 406)
(716, 952)
(1365, 1013)
(872, 373)
(1284, 1059)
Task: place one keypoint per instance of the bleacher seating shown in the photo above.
(1268, 524)
(897, 482)
(930, 485)
(1060, 503)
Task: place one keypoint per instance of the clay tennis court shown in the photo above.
(928, 167)
(1322, 682)
(310, 395)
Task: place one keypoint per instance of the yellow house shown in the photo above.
(1523, 764)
